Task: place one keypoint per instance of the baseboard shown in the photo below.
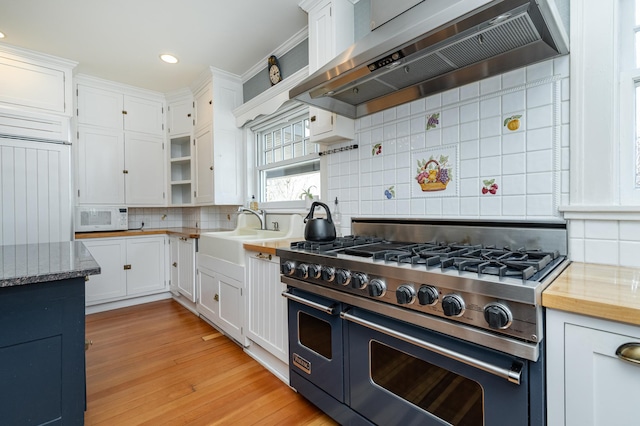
(93, 309)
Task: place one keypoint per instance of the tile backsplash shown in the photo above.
(495, 149)
(212, 217)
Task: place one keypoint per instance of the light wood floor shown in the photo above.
(159, 364)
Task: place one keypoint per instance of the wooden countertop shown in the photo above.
(182, 232)
(269, 247)
(602, 291)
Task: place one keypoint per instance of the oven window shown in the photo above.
(315, 334)
(450, 397)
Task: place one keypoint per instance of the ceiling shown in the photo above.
(121, 40)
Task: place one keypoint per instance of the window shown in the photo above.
(287, 163)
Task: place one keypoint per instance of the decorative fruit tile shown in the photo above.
(512, 123)
(377, 149)
(390, 193)
(433, 120)
(489, 187)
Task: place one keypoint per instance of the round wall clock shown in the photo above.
(274, 70)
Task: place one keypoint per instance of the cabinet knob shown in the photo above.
(629, 352)
(124, 112)
(313, 118)
(175, 264)
(125, 171)
(216, 298)
(210, 167)
(127, 267)
(188, 115)
(210, 102)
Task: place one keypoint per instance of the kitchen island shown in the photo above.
(42, 289)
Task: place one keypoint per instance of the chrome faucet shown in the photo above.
(261, 214)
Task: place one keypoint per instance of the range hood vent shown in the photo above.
(376, 74)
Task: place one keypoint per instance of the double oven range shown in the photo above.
(423, 322)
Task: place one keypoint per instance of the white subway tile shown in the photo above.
(490, 166)
(389, 115)
(433, 137)
(451, 96)
(565, 136)
(576, 249)
(389, 176)
(630, 230)
(565, 90)
(513, 185)
(491, 126)
(390, 207)
(514, 206)
(513, 78)
(470, 112)
(469, 206)
(450, 135)
(561, 66)
(450, 206)
(539, 71)
(365, 122)
(403, 208)
(601, 229)
(490, 205)
(417, 206)
(389, 131)
(418, 125)
(630, 254)
(540, 161)
(433, 207)
(490, 146)
(405, 174)
(565, 112)
(418, 141)
(403, 159)
(469, 187)
(565, 183)
(539, 205)
(540, 139)
(469, 150)
(403, 128)
(365, 164)
(377, 135)
(470, 91)
(469, 131)
(377, 119)
(366, 207)
(540, 95)
(417, 106)
(403, 110)
(601, 251)
(513, 164)
(490, 85)
(450, 117)
(539, 117)
(432, 102)
(539, 183)
(513, 142)
(491, 107)
(513, 102)
(469, 168)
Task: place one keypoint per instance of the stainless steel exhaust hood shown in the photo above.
(435, 46)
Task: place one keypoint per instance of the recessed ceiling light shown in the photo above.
(1, 35)
(170, 59)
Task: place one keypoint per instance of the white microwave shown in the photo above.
(101, 218)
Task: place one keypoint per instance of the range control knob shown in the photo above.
(377, 288)
(302, 271)
(405, 294)
(343, 277)
(427, 295)
(314, 271)
(453, 305)
(328, 273)
(498, 316)
(359, 280)
(288, 268)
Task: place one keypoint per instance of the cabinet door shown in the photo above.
(100, 159)
(145, 166)
(231, 310)
(145, 256)
(208, 294)
(266, 309)
(143, 115)
(180, 118)
(111, 283)
(203, 153)
(204, 107)
(186, 268)
(320, 36)
(174, 259)
(98, 107)
(600, 389)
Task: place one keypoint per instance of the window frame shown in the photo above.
(285, 114)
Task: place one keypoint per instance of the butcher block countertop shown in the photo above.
(602, 291)
(181, 232)
(269, 247)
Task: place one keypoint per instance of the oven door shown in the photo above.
(315, 341)
(402, 374)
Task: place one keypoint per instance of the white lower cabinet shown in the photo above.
(587, 384)
(183, 266)
(130, 267)
(220, 289)
(266, 309)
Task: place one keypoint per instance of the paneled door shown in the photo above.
(35, 192)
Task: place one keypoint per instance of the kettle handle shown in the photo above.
(313, 208)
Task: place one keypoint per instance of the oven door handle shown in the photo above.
(512, 375)
(331, 310)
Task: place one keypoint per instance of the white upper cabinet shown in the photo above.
(35, 82)
(218, 148)
(180, 118)
(330, 32)
(115, 110)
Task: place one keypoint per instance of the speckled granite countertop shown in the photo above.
(38, 263)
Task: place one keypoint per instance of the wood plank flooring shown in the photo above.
(159, 364)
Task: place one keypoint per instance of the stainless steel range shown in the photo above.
(462, 291)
